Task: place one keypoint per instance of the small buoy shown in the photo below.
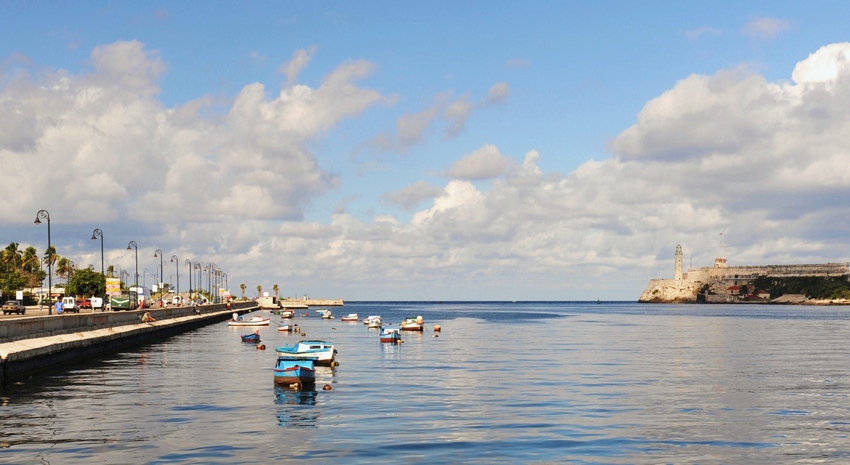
(261, 347)
(335, 364)
(327, 387)
(436, 335)
(303, 334)
(437, 328)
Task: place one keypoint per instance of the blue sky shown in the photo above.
(431, 150)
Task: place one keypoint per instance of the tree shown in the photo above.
(50, 256)
(12, 256)
(276, 290)
(30, 262)
(259, 290)
(65, 268)
(87, 282)
(12, 281)
(243, 287)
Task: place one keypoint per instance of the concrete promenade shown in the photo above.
(29, 344)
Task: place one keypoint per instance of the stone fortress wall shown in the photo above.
(684, 287)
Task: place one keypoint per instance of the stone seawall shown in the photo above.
(60, 339)
(671, 290)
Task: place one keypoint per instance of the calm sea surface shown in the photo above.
(566, 382)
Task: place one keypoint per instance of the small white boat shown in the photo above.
(287, 314)
(350, 317)
(327, 315)
(412, 324)
(286, 328)
(255, 321)
(373, 322)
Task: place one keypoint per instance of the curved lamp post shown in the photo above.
(132, 245)
(44, 214)
(176, 260)
(94, 235)
(189, 265)
(158, 253)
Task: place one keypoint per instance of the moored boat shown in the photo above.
(255, 321)
(391, 335)
(287, 314)
(350, 317)
(253, 338)
(412, 324)
(286, 327)
(324, 351)
(327, 315)
(295, 370)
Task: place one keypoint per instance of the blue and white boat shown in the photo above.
(324, 351)
(295, 370)
(253, 338)
(391, 335)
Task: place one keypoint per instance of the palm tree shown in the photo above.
(30, 261)
(65, 268)
(243, 287)
(12, 255)
(276, 289)
(50, 257)
(110, 271)
(259, 290)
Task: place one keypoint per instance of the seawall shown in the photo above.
(32, 344)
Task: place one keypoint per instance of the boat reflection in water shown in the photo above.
(296, 407)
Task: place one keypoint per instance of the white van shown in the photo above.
(70, 304)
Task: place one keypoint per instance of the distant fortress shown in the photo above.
(716, 284)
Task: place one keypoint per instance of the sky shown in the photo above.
(440, 150)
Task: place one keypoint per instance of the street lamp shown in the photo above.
(46, 215)
(158, 253)
(189, 265)
(94, 235)
(133, 245)
(177, 261)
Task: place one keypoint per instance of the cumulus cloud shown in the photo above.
(484, 163)
(104, 131)
(411, 196)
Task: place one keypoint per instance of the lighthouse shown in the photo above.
(677, 275)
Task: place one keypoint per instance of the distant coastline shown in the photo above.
(817, 284)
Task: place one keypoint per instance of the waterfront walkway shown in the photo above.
(32, 343)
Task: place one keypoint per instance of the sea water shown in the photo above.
(502, 383)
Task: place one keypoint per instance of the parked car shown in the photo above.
(14, 306)
(70, 304)
(84, 303)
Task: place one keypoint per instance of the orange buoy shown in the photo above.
(437, 328)
(261, 347)
(327, 387)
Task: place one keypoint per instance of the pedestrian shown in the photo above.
(60, 307)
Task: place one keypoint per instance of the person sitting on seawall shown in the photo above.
(147, 318)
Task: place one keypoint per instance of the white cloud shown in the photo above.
(412, 127)
(484, 163)
(300, 59)
(411, 196)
